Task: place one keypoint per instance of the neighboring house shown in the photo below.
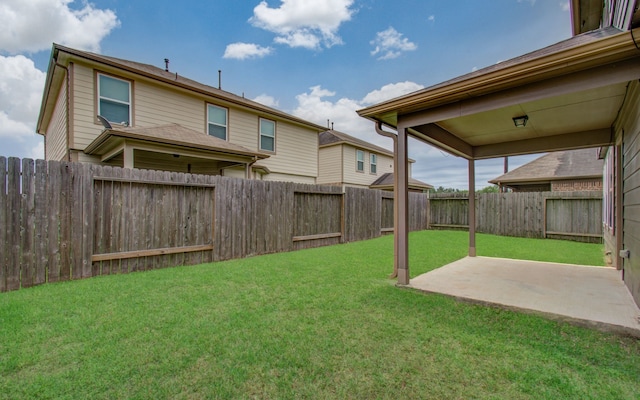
(157, 119)
(348, 161)
(583, 92)
(560, 171)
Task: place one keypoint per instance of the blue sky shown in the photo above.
(317, 59)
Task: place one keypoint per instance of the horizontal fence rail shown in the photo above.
(61, 221)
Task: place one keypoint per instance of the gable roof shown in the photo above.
(560, 165)
(60, 55)
(172, 135)
(386, 181)
(332, 137)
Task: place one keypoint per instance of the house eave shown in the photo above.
(606, 50)
(50, 93)
(213, 93)
(108, 135)
(522, 181)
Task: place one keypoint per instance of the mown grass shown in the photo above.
(321, 323)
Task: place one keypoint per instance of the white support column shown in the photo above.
(401, 237)
(127, 155)
(472, 208)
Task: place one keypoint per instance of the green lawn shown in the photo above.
(322, 323)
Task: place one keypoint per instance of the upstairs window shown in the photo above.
(267, 135)
(114, 99)
(217, 121)
(359, 161)
(373, 163)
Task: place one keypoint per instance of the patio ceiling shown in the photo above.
(571, 92)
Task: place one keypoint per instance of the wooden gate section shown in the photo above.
(570, 217)
(140, 225)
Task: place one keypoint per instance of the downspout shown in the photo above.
(66, 109)
(249, 172)
(394, 137)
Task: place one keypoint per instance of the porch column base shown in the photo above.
(403, 276)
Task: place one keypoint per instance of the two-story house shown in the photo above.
(102, 109)
(348, 161)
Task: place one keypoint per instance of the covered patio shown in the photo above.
(579, 93)
(584, 295)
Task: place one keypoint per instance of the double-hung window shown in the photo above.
(373, 163)
(267, 135)
(114, 99)
(217, 121)
(359, 161)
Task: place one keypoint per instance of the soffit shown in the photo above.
(575, 112)
(571, 99)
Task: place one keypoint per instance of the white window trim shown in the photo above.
(260, 134)
(373, 162)
(358, 151)
(130, 103)
(226, 127)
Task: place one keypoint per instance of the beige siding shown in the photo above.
(629, 128)
(56, 136)
(152, 105)
(243, 128)
(385, 164)
(83, 107)
(156, 105)
(296, 152)
(366, 178)
(330, 165)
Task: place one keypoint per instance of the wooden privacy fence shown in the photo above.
(61, 221)
(559, 215)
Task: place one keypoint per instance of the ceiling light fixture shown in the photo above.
(520, 122)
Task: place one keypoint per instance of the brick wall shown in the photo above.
(576, 185)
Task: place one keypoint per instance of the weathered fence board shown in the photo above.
(4, 226)
(61, 221)
(560, 215)
(13, 221)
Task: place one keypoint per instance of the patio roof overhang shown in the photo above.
(170, 140)
(572, 93)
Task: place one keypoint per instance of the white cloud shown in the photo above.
(21, 85)
(241, 51)
(391, 91)
(37, 151)
(267, 100)
(300, 38)
(390, 44)
(316, 106)
(565, 6)
(32, 25)
(304, 23)
(431, 18)
(432, 165)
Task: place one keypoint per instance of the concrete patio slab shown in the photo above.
(584, 295)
